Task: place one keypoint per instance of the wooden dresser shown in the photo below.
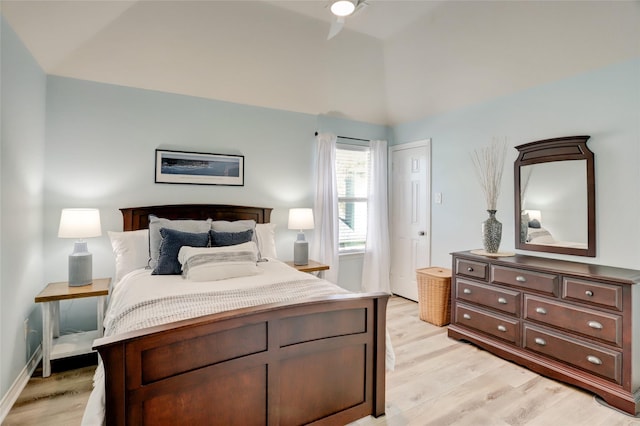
(575, 322)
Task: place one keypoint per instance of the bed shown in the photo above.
(315, 360)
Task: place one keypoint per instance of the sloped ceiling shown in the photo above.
(394, 61)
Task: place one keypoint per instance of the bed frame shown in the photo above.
(321, 361)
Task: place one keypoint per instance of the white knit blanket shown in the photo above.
(179, 307)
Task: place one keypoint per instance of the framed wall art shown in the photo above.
(199, 168)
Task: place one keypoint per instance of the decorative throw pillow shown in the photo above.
(131, 249)
(221, 239)
(184, 225)
(172, 242)
(219, 263)
(534, 223)
(237, 226)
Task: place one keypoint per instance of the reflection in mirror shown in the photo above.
(554, 195)
(554, 203)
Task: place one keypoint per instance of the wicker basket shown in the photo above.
(434, 295)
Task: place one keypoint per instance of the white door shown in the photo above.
(410, 215)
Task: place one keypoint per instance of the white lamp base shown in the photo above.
(80, 265)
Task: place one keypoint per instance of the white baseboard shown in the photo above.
(19, 384)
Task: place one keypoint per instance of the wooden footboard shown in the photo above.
(320, 361)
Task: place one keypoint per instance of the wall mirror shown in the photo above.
(555, 203)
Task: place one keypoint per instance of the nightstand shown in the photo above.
(55, 346)
(312, 266)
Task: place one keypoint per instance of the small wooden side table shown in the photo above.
(55, 346)
(312, 266)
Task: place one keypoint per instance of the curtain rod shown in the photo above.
(347, 137)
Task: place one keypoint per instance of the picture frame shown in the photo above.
(198, 168)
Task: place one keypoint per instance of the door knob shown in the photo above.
(421, 233)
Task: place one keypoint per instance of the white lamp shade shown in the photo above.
(342, 7)
(300, 219)
(79, 223)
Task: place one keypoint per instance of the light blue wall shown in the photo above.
(100, 153)
(353, 129)
(21, 195)
(604, 104)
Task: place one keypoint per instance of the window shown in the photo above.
(352, 173)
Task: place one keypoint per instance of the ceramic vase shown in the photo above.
(491, 233)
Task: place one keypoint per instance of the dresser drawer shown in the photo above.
(471, 268)
(494, 297)
(494, 324)
(607, 295)
(600, 325)
(601, 361)
(537, 281)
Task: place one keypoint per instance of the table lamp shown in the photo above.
(534, 215)
(300, 219)
(79, 224)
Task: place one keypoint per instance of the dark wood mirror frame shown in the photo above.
(550, 150)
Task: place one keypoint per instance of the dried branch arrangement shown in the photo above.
(489, 164)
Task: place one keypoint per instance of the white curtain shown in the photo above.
(324, 247)
(376, 264)
(377, 255)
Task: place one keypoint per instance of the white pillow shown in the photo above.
(235, 226)
(266, 235)
(186, 225)
(219, 263)
(131, 249)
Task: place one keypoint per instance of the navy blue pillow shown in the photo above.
(223, 239)
(170, 245)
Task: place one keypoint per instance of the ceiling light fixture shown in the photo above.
(342, 8)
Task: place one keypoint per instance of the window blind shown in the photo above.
(352, 174)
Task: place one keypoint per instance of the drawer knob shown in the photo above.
(466, 316)
(540, 341)
(470, 269)
(466, 291)
(595, 324)
(502, 300)
(502, 328)
(594, 360)
(589, 293)
(521, 279)
(541, 311)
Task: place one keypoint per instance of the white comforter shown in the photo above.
(128, 306)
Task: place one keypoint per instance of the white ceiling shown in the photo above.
(395, 61)
(377, 18)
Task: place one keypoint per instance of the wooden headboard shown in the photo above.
(136, 218)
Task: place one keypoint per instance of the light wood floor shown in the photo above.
(437, 381)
